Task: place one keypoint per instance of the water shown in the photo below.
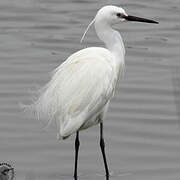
(142, 129)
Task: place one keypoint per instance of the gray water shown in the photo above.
(142, 128)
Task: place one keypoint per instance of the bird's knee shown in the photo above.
(102, 144)
(77, 143)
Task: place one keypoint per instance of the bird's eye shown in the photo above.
(119, 15)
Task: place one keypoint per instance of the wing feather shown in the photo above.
(79, 88)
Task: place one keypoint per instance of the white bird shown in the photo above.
(78, 95)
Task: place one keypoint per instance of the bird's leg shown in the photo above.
(102, 145)
(77, 143)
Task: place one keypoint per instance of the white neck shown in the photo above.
(111, 38)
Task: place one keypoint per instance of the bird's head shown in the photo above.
(110, 15)
(114, 15)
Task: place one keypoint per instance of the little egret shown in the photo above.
(78, 94)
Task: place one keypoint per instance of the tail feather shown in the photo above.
(71, 127)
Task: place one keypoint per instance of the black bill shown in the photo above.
(134, 18)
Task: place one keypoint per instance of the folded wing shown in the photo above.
(78, 90)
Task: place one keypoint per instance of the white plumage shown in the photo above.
(79, 92)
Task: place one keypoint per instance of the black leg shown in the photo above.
(77, 143)
(102, 145)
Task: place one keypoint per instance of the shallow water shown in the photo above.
(142, 129)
